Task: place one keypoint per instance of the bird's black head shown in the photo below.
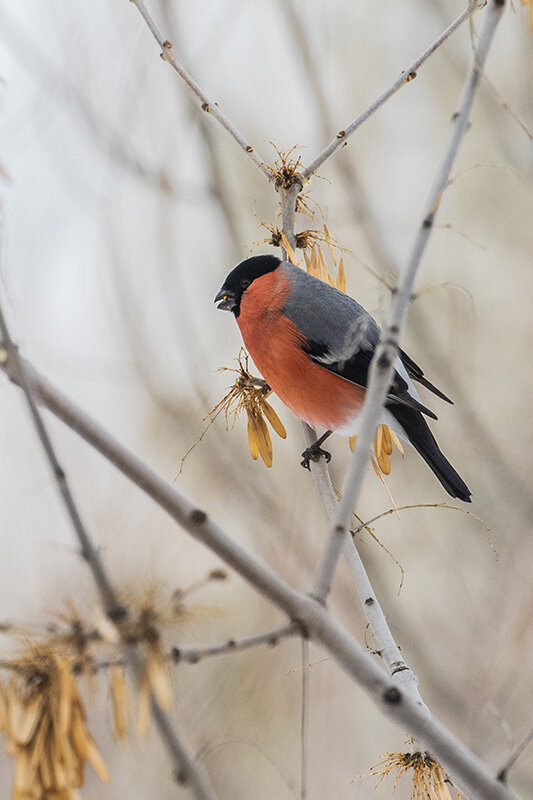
(240, 279)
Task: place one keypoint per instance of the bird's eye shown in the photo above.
(245, 283)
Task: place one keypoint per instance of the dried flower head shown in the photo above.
(286, 169)
(250, 393)
(46, 727)
(429, 779)
(286, 172)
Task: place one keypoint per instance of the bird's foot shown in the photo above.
(314, 453)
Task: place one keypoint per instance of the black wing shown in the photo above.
(416, 374)
(355, 369)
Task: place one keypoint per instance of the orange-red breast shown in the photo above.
(313, 345)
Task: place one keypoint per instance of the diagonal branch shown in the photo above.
(186, 770)
(167, 54)
(381, 369)
(112, 607)
(387, 648)
(455, 757)
(407, 75)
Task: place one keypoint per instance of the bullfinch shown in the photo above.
(313, 345)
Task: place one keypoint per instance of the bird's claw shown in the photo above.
(314, 453)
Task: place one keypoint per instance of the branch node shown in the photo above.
(116, 612)
(369, 601)
(197, 516)
(304, 632)
(341, 134)
(181, 777)
(384, 360)
(392, 695)
(401, 668)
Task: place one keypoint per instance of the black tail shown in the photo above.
(420, 436)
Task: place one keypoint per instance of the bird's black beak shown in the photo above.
(227, 298)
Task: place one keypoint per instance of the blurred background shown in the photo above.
(122, 209)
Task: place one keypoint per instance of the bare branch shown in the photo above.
(381, 369)
(167, 54)
(517, 752)
(406, 76)
(462, 765)
(112, 607)
(186, 770)
(303, 719)
(385, 643)
(192, 655)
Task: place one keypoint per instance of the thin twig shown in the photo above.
(167, 54)
(504, 771)
(386, 645)
(394, 510)
(303, 719)
(186, 770)
(462, 765)
(406, 76)
(381, 369)
(192, 655)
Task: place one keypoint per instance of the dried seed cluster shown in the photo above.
(250, 393)
(383, 441)
(429, 779)
(45, 724)
(42, 712)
